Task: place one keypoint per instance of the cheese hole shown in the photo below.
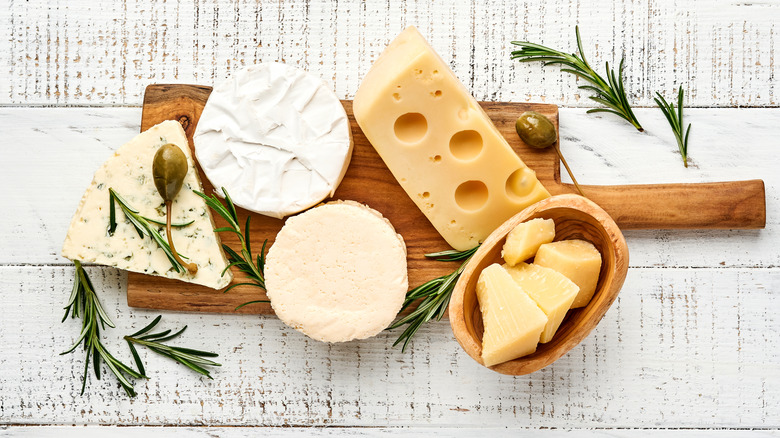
(436, 94)
(466, 145)
(463, 114)
(436, 158)
(471, 195)
(396, 97)
(425, 195)
(520, 183)
(411, 127)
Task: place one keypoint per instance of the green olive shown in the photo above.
(169, 169)
(536, 130)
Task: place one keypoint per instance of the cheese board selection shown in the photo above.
(345, 203)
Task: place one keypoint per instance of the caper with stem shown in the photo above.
(537, 131)
(169, 169)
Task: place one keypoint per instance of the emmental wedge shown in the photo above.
(440, 145)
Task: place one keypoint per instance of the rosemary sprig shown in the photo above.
(435, 296)
(192, 359)
(675, 119)
(143, 226)
(84, 303)
(609, 92)
(252, 267)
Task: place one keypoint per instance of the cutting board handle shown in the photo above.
(719, 205)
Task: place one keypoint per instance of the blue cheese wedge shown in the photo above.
(337, 272)
(129, 173)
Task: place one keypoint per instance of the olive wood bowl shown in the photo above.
(575, 218)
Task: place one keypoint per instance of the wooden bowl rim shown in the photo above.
(531, 363)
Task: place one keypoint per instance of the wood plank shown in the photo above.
(81, 52)
(250, 431)
(70, 143)
(680, 348)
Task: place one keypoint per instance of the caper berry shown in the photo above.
(169, 169)
(536, 130)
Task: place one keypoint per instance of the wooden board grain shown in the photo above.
(710, 205)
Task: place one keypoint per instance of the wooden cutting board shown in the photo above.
(663, 206)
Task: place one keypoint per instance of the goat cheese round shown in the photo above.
(337, 272)
(276, 137)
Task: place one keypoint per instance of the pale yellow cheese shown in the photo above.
(578, 260)
(552, 292)
(513, 322)
(440, 145)
(526, 238)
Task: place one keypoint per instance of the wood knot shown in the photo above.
(185, 122)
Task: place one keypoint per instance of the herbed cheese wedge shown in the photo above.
(526, 238)
(440, 145)
(512, 320)
(129, 173)
(577, 260)
(337, 272)
(551, 291)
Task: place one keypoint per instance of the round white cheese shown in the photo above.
(337, 272)
(276, 137)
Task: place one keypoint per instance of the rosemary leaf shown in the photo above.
(192, 359)
(610, 92)
(84, 303)
(242, 259)
(143, 226)
(675, 119)
(435, 295)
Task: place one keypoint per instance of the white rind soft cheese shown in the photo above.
(276, 137)
(337, 272)
(129, 173)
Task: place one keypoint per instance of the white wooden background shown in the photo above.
(693, 341)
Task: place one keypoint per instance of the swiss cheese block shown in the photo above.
(552, 292)
(440, 145)
(512, 320)
(276, 137)
(526, 238)
(337, 272)
(578, 260)
(129, 173)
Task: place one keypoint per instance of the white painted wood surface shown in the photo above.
(106, 52)
(692, 342)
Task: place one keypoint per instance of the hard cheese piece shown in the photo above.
(578, 260)
(129, 173)
(552, 292)
(276, 137)
(513, 322)
(526, 238)
(337, 272)
(440, 145)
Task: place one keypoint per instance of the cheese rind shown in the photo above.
(440, 145)
(129, 173)
(526, 238)
(551, 291)
(337, 272)
(276, 137)
(577, 260)
(512, 320)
